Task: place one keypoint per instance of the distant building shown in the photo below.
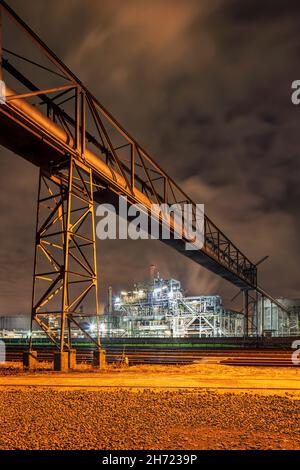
(14, 326)
(275, 321)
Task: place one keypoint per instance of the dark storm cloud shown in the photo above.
(254, 11)
(205, 87)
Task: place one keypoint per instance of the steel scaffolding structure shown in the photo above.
(65, 267)
(159, 308)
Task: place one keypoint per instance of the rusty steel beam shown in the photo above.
(39, 92)
(223, 253)
(221, 249)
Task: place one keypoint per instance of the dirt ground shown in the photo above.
(151, 407)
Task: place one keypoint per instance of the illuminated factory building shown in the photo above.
(160, 309)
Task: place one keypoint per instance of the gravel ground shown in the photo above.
(121, 419)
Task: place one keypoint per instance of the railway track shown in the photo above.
(160, 355)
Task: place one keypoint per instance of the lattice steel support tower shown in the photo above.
(65, 269)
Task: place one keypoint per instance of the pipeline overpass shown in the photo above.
(86, 156)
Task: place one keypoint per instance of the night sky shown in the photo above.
(205, 87)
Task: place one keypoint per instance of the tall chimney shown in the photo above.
(109, 300)
(152, 272)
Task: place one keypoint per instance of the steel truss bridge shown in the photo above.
(86, 156)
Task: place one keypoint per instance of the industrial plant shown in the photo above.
(159, 308)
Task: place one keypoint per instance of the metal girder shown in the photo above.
(40, 92)
(65, 269)
(250, 311)
(91, 134)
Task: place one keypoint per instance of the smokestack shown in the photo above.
(109, 300)
(152, 272)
